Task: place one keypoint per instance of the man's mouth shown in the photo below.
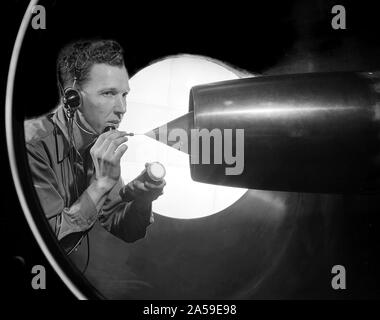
(111, 125)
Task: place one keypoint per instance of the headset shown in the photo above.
(72, 100)
(71, 97)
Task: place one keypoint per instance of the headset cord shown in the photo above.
(72, 158)
(83, 129)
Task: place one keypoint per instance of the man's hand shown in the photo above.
(142, 191)
(106, 154)
(145, 191)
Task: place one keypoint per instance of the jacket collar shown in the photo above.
(62, 135)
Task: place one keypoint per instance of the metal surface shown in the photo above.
(316, 132)
(185, 122)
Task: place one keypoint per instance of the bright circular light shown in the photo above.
(160, 93)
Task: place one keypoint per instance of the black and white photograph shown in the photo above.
(190, 156)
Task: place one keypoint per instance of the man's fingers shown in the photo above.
(107, 137)
(113, 135)
(113, 138)
(147, 192)
(153, 186)
(114, 144)
(140, 186)
(120, 152)
(101, 139)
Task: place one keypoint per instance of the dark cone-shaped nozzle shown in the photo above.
(312, 132)
(175, 133)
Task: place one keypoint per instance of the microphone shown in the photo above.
(109, 128)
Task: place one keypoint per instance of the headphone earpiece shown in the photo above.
(72, 98)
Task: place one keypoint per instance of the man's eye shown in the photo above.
(108, 93)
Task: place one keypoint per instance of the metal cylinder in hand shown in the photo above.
(153, 173)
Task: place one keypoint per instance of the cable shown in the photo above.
(72, 155)
(72, 159)
(83, 129)
(88, 253)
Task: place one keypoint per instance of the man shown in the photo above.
(75, 165)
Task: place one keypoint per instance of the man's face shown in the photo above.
(104, 96)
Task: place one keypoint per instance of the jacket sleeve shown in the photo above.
(68, 223)
(126, 220)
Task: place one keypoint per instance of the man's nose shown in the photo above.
(120, 104)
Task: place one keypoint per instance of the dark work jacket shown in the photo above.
(69, 215)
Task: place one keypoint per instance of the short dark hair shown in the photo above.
(75, 59)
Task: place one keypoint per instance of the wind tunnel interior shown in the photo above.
(265, 243)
